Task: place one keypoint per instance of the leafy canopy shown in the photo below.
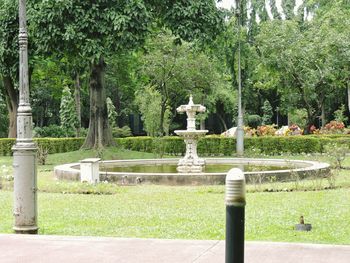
(100, 28)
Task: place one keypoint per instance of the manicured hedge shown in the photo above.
(54, 145)
(208, 146)
(142, 144)
(273, 145)
(60, 145)
(217, 145)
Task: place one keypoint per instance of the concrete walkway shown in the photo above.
(66, 249)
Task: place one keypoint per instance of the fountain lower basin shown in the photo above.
(302, 168)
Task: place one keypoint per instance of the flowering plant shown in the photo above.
(294, 130)
(249, 131)
(334, 127)
(266, 130)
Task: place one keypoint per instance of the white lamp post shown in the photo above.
(24, 151)
(240, 129)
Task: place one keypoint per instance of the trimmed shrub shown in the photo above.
(6, 145)
(174, 145)
(123, 132)
(141, 144)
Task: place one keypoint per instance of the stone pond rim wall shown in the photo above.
(302, 169)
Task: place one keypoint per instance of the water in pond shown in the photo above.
(171, 168)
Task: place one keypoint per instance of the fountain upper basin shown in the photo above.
(191, 132)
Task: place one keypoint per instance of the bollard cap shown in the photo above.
(235, 188)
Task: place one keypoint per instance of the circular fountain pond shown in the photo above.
(163, 171)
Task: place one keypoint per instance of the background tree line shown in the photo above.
(148, 56)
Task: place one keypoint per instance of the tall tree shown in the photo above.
(274, 11)
(68, 114)
(310, 60)
(9, 59)
(288, 8)
(122, 82)
(3, 117)
(176, 71)
(95, 30)
(149, 101)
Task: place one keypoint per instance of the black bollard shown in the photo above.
(235, 210)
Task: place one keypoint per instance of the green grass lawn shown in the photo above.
(189, 213)
(181, 212)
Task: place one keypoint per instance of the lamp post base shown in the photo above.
(30, 230)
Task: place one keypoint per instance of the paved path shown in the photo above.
(66, 249)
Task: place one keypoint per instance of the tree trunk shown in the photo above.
(310, 120)
(12, 105)
(99, 133)
(162, 113)
(117, 101)
(77, 87)
(323, 116)
(202, 121)
(348, 88)
(222, 121)
(288, 119)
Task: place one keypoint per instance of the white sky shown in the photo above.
(227, 4)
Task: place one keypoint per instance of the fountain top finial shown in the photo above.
(191, 107)
(190, 102)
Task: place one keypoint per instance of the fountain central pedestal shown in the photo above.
(191, 163)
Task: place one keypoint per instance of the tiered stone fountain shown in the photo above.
(191, 163)
(189, 169)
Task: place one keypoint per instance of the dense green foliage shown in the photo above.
(53, 131)
(308, 61)
(9, 39)
(49, 78)
(298, 61)
(149, 102)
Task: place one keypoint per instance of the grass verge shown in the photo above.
(189, 213)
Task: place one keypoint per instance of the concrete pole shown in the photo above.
(235, 216)
(24, 151)
(240, 129)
